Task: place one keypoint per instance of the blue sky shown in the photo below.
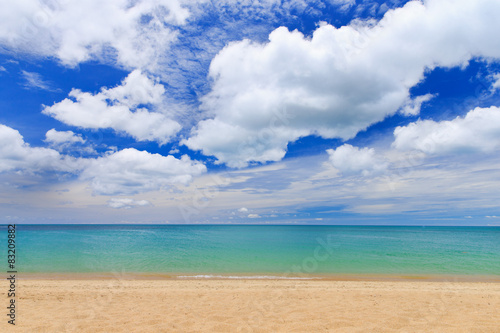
(315, 112)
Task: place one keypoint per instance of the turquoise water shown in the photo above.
(278, 250)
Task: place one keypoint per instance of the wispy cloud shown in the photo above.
(496, 83)
(34, 80)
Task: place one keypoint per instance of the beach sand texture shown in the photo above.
(117, 305)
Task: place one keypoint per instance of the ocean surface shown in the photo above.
(286, 251)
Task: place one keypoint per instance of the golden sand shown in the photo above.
(116, 305)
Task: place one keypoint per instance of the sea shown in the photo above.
(258, 251)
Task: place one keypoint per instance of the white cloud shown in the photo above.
(131, 171)
(174, 151)
(336, 83)
(496, 83)
(127, 203)
(119, 108)
(68, 141)
(186, 71)
(435, 187)
(478, 131)
(167, 37)
(17, 155)
(55, 137)
(134, 34)
(351, 160)
(412, 106)
(344, 4)
(128, 171)
(243, 210)
(253, 216)
(35, 81)
(2, 69)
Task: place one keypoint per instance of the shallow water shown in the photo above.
(208, 250)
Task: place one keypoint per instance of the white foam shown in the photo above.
(263, 277)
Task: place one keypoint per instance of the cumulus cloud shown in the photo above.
(478, 131)
(253, 216)
(133, 34)
(130, 171)
(243, 210)
(17, 155)
(62, 137)
(127, 171)
(119, 108)
(127, 203)
(336, 83)
(68, 141)
(353, 160)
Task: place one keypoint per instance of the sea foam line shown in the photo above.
(263, 277)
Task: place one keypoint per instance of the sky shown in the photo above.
(250, 112)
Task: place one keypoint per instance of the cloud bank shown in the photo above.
(127, 171)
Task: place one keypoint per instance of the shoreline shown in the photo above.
(258, 276)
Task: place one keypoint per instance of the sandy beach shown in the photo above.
(153, 305)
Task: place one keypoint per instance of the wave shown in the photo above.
(263, 277)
